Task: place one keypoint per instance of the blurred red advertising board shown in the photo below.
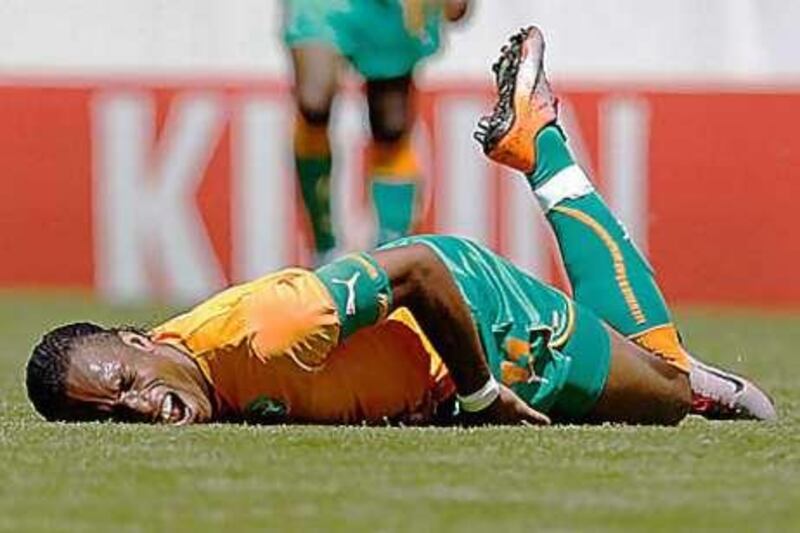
(175, 189)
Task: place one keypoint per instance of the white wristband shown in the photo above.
(480, 399)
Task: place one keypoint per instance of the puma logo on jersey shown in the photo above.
(350, 305)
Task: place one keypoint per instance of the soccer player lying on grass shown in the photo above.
(425, 330)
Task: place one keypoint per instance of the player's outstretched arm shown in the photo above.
(421, 282)
(365, 288)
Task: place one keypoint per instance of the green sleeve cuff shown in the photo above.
(360, 288)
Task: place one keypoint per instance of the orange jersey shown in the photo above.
(277, 339)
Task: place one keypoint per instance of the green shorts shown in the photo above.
(588, 348)
(554, 353)
(371, 34)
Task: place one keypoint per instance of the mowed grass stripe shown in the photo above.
(700, 476)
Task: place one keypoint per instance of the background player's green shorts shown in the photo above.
(371, 34)
(552, 352)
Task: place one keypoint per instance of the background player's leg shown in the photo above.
(393, 168)
(316, 69)
(607, 272)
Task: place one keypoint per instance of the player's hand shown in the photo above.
(454, 10)
(507, 410)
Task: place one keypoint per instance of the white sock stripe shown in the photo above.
(568, 183)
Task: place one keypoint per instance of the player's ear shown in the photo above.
(136, 340)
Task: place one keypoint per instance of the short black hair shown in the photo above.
(46, 372)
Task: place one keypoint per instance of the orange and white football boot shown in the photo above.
(525, 103)
(721, 395)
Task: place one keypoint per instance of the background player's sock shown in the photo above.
(313, 164)
(607, 272)
(394, 176)
(394, 205)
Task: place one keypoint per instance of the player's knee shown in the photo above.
(390, 129)
(315, 114)
(314, 104)
(390, 108)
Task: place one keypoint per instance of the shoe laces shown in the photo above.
(504, 72)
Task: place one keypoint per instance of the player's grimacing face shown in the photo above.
(132, 379)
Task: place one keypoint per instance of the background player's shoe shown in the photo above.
(720, 395)
(525, 103)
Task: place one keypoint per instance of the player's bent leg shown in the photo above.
(553, 353)
(610, 379)
(316, 68)
(607, 272)
(641, 388)
(611, 276)
(393, 168)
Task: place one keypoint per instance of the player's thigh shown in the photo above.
(316, 79)
(391, 112)
(641, 388)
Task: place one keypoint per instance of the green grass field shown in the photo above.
(699, 476)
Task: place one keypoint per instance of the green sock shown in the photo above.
(314, 174)
(607, 272)
(552, 155)
(394, 205)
